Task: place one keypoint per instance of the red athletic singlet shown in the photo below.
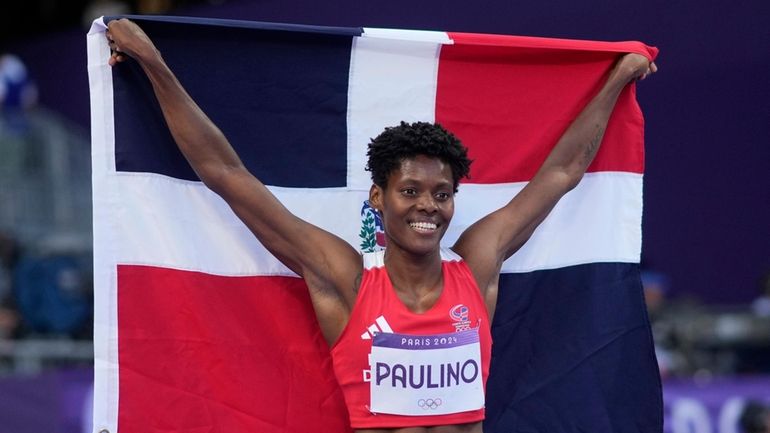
(401, 369)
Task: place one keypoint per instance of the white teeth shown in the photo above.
(423, 226)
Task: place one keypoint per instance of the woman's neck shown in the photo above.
(413, 275)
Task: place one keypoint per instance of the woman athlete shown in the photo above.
(416, 169)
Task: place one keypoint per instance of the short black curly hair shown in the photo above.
(407, 140)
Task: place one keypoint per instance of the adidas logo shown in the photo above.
(379, 325)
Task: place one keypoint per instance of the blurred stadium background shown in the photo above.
(706, 248)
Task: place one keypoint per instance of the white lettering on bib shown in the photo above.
(426, 374)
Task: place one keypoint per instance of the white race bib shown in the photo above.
(426, 374)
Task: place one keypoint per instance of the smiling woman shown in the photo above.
(414, 290)
(416, 169)
(419, 197)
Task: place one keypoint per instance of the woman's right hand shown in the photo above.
(126, 39)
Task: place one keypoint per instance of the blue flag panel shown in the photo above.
(573, 352)
(281, 90)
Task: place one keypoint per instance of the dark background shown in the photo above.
(707, 182)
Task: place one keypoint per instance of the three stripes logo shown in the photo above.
(379, 325)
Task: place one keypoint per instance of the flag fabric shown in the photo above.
(199, 329)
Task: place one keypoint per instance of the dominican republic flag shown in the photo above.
(199, 329)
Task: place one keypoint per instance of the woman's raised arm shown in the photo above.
(329, 265)
(494, 238)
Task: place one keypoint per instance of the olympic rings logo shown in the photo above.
(429, 403)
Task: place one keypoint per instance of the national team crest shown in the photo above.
(372, 231)
(460, 316)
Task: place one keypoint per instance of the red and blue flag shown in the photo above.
(199, 329)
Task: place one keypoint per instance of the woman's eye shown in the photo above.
(442, 196)
(409, 191)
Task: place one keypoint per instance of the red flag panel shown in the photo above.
(266, 364)
(509, 100)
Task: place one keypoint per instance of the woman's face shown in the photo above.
(417, 205)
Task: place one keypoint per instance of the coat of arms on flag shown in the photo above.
(372, 232)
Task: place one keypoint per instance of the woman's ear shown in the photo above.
(376, 196)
